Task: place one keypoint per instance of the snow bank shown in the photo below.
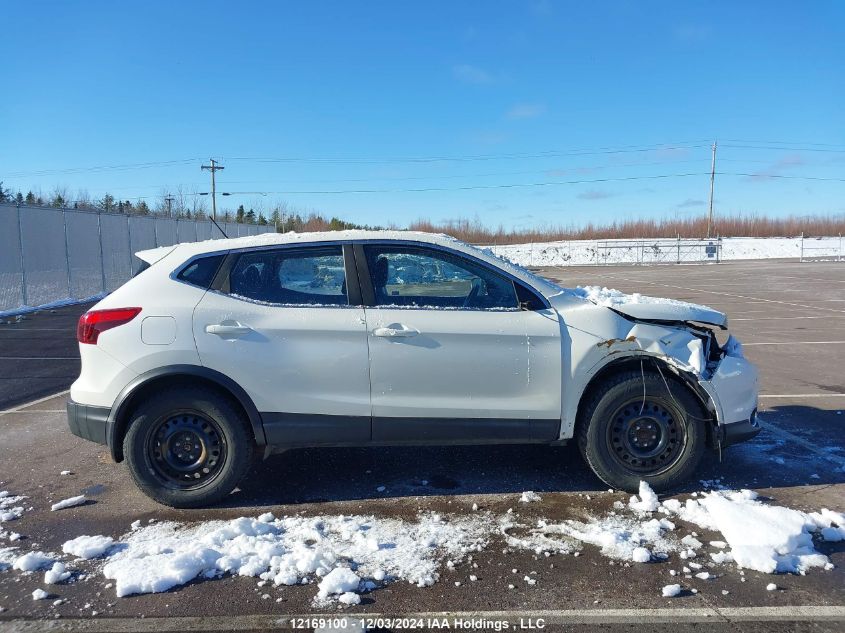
(294, 550)
(589, 252)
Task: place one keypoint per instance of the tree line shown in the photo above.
(179, 204)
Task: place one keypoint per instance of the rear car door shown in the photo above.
(453, 356)
(288, 328)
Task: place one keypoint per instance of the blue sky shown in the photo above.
(350, 96)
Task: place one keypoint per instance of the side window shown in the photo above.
(412, 276)
(294, 276)
(199, 272)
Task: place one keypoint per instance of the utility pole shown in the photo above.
(712, 180)
(213, 167)
(168, 200)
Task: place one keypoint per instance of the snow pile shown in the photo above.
(338, 581)
(88, 546)
(529, 496)
(647, 502)
(294, 550)
(56, 574)
(9, 510)
(754, 535)
(68, 503)
(40, 594)
(762, 537)
(33, 561)
(670, 591)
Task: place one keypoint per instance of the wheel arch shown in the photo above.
(194, 375)
(646, 362)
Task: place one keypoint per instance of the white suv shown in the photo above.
(225, 350)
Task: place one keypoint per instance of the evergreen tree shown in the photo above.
(250, 217)
(107, 203)
(30, 197)
(239, 216)
(18, 198)
(262, 221)
(5, 194)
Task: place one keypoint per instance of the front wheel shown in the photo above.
(639, 427)
(187, 447)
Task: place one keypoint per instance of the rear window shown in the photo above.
(200, 272)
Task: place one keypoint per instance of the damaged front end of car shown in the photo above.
(682, 343)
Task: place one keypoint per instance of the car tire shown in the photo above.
(640, 426)
(188, 447)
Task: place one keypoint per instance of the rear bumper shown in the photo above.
(737, 432)
(88, 422)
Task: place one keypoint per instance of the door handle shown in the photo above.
(228, 330)
(395, 332)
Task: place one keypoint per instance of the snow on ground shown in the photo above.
(344, 556)
(88, 547)
(766, 538)
(295, 550)
(68, 503)
(9, 508)
(587, 252)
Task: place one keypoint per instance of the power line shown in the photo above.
(785, 148)
(465, 158)
(98, 168)
(464, 188)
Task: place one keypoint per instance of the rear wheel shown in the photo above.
(188, 447)
(637, 426)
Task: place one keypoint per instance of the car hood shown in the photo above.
(646, 308)
(673, 312)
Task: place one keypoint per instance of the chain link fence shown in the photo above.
(50, 256)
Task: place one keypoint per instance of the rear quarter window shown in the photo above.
(201, 271)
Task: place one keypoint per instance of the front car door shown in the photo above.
(284, 323)
(453, 355)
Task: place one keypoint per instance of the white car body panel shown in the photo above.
(294, 359)
(465, 364)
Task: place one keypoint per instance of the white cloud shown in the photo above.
(594, 194)
(526, 111)
(472, 74)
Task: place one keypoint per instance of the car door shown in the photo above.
(453, 356)
(285, 325)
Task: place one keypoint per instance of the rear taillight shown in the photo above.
(92, 323)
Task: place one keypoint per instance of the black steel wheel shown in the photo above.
(188, 447)
(645, 435)
(186, 450)
(640, 426)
